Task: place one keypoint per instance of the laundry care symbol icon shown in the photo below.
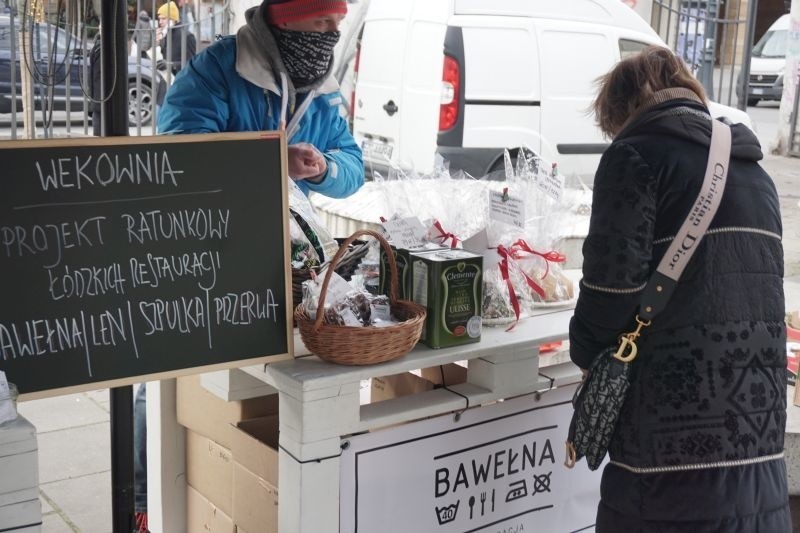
(517, 490)
(541, 483)
(447, 514)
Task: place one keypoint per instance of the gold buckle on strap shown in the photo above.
(627, 342)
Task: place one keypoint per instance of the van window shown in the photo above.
(504, 63)
(629, 47)
(772, 44)
(575, 60)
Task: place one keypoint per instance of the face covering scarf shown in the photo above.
(307, 55)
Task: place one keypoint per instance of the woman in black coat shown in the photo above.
(699, 444)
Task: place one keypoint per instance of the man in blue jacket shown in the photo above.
(275, 74)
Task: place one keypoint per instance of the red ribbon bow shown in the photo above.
(512, 295)
(444, 236)
(552, 256)
(508, 258)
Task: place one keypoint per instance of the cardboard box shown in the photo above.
(449, 284)
(255, 447)
(454, 374)
(255, 474)
(204, 413)
(255, 501)
(203, 516)
(209, 469)
(397, 385)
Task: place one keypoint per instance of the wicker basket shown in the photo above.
(354, 252)
(349, 345)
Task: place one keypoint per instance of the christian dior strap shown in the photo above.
(663, 281)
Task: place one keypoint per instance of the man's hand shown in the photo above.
(305, 162)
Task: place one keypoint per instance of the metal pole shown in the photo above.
(114, 43)
(744, 80)
(114, 109)
(13, 44)
(122, 511)
(708, 47)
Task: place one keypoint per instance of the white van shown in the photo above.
(469, 78)
(767, 63)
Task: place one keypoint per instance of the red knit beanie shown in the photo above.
(280, 11)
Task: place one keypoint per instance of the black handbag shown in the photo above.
(600, 396)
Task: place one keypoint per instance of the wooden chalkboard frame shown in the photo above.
(166, 140)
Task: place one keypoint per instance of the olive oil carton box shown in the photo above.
(449, 284)
(402, 257)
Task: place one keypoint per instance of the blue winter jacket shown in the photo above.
(219, 91)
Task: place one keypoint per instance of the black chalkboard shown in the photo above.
(129, 257)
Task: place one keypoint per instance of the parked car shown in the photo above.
(68, 69)
(767, 64)
(469, 78)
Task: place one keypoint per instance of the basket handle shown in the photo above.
(340, 253)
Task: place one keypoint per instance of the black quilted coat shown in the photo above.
(699, 445)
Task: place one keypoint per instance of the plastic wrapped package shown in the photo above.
(345, 306)
(304, 255)
(453, 207)
(497, 307)
(302, 212)
(545, 270)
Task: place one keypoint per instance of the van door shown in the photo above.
(502, 91)
(399, 85)
(573, 56)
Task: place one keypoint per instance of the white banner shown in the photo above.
(498, 469)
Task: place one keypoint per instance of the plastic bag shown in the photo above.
(346, 306)
(302, 212)
(304, 255)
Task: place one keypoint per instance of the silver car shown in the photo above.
(60, 60)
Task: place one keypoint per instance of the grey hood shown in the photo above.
(259, 62)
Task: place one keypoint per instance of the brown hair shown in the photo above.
(633, 81)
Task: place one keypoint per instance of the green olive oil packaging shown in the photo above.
(449, 284)
(402, 257)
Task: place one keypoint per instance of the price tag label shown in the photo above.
(381, 312)
(350, 318)
(507, 209)
(551, 184)
(407, 233)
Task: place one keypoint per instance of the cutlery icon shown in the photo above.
(483, 501)
(471, 505)
(492, 500)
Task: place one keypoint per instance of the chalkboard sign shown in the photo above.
(122, 258)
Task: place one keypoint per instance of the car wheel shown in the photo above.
(496, 172)
(140, 103)
(752, 102)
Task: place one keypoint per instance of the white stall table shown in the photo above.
(319, 405)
